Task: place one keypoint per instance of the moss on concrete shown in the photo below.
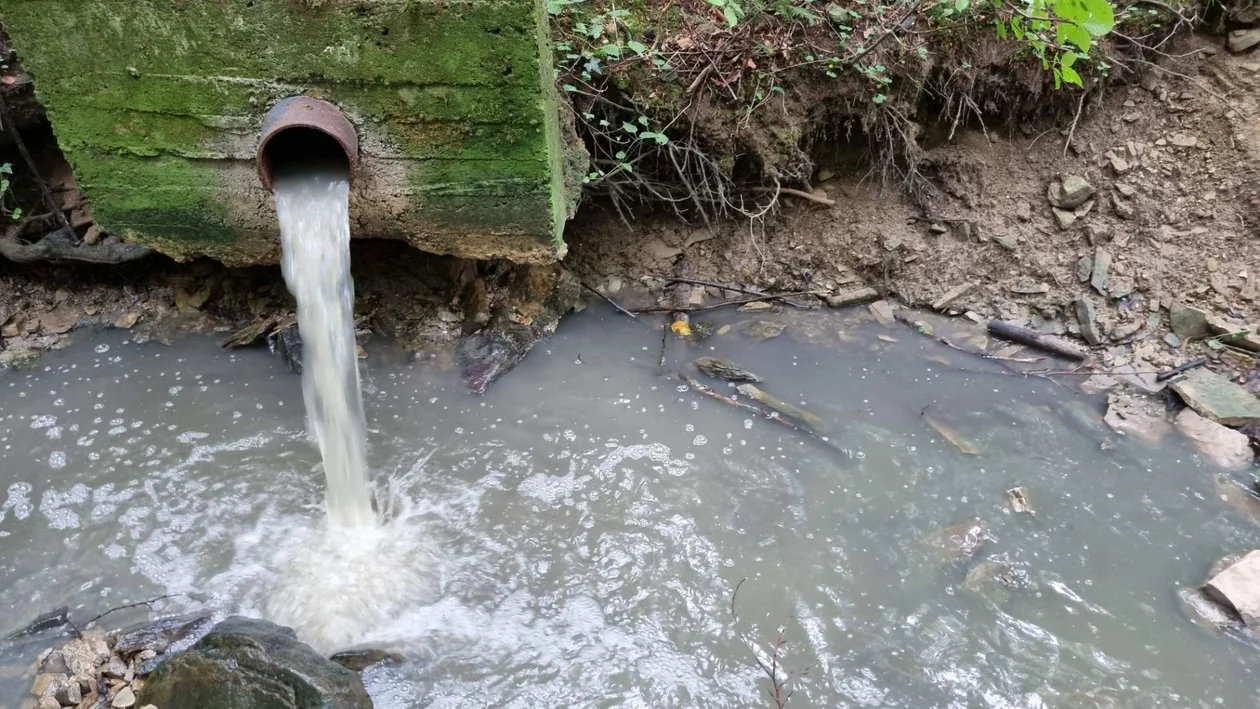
(158, 107)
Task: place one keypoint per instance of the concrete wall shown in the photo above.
(158, 105)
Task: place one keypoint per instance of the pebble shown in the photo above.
(125, 698)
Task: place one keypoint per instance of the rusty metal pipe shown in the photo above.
(304, 128)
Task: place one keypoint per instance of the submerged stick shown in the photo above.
(723, 304)
(733, 288)
(610, 301)
(983, 355)
(1032, 338)
(768, 415)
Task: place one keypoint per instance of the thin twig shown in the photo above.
(78, 629)
(1072, 131)
(732, 288)
(664, 339)
(805, 195)
(723, 304)
(610, 301)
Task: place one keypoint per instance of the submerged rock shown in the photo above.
(359, 660)
(48, 621)
(1138, 417)
(960, 540)
(725, 369)
(245, 663)
(159, 635)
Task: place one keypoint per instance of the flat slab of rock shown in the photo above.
(1238, 588)
(1216, 398)
(245, 663)
(1223, 446)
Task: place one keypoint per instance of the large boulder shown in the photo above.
(244, 663)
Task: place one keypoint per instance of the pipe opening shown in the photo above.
(296, 148)
(304, 132)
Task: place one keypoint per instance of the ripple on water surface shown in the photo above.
(575, 536)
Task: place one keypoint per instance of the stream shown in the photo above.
(578, 532)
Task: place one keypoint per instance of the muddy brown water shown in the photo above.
(587, 521)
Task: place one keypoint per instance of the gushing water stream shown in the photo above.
(359, 569)
(313, 204)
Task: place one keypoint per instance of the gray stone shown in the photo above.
(245, 663)
(1007, 241)
(84, 654)
(1069, 192)
(1138, 417)
(1238, 588)
(1118, 164)
(1183, 140)
(952, 294)
(1123, 209)
(1087, 318)
(855, 296)
(1187, 322)
(1172, 340)
(1241, 40)
(1225, 447)
(1216, 398)
(883, 312)
(1102, 268)
(1084, 267)
(1063, 217)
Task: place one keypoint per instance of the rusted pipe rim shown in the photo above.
(304, 112)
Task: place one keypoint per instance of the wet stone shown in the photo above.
(1216, 398)
(155, 638)
(359, 660)
(1237, 588)
(725, 369)
(1069, 192)
(246, 663)
(1188, 322)
(1225, 447)
(765, 329)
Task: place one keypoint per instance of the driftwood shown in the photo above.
(1032, 338)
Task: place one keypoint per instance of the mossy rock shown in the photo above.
(244, 663)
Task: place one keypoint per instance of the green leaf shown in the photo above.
(1070, 76)
(1214, 344)
(643, 121)
(636, 47)
(611, 50)
(630, 128)
(17, 213)
(570, 88)
(962, 5)
(6, 168)
(879, 98)
(732, 17)
(4, 186)
(1068, 32)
